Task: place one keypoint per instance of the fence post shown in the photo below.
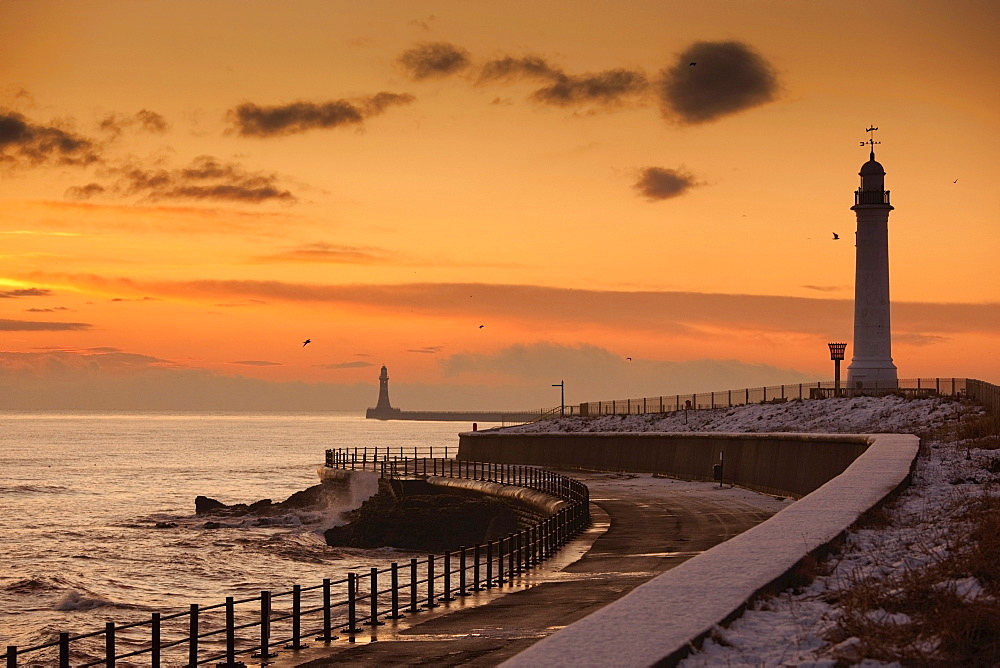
(461, 573)
(11, 656)
(231, 633)
(154, 641)
(373, 619)
(430, 583)
(447, 577)
(265, 628)
(109, 644)
(296, 618)
(413, 586)
(192, 636)
(64, 650)
(489, 564)
(475, 568)
(327, 621)
(395, 614)
(500, 579)
(352, 605)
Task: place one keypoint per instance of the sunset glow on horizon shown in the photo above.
(488, 199)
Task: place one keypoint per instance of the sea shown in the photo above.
(97, 510)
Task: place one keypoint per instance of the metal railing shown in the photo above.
(770, 394)
(258, 625)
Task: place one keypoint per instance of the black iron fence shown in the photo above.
(757, 395)
(259, 626)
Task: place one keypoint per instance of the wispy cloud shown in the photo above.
(329, 253)
(658, 183)
(433, 59)
(679, 312)
(252, 120)
(710, 80)
(359, 364)
(256, 363)
(37, 326)
(143, 120)
(607, 88)
(25, 292)
(25, 143)
(429, 350)
(206, 178)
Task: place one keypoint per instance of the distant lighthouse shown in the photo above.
(871, 366)
(383, 391)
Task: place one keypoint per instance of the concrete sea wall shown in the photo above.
(783, 464)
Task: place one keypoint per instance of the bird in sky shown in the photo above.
(629, 359)
(692, 64)
(835, 236)
(306, 342)
(481, 326)
(955, 181)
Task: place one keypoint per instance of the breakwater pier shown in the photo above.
(384, 410)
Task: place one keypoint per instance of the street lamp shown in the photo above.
(562, 396)
(836, 354)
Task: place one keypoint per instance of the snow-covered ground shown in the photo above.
(796, 627)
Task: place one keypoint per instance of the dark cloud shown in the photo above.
(429, 350)
(727, 77)
(140, 299)
(25, 143)
(433, 59)
(35, 326)
(251, 120)
(206, 178)
(826, 288)
(607, 88)
(510, 68)
(657, 183)
(256, 363)
(145, 120)
(47, 310)
(86, 191)
(25, 292)
(346, 365)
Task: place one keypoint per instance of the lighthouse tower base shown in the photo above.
(871, 374)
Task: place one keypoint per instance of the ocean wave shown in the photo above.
(77, 600)
(35, 489)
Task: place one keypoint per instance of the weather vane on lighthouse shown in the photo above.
(871, 139)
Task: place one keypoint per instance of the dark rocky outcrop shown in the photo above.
(317, 496)
(424, 522)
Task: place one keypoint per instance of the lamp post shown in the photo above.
(562, 396)
(836, 354)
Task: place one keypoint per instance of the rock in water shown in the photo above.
(427, 522)
(204, 504)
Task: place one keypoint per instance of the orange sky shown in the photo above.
(488, 198)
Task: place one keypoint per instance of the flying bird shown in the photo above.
(692, 64)
(955, 181)
(835, 236)
(306, 342)
(481, 326)
(629, 359)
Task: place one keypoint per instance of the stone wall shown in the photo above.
(785, 464)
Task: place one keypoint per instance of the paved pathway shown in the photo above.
(642, 527)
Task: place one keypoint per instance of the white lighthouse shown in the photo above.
(871, 366)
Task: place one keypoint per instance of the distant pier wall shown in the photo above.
(504, 417)
(785, 464)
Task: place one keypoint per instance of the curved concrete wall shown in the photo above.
(749, 460)
(656, 623)
(543, 504)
